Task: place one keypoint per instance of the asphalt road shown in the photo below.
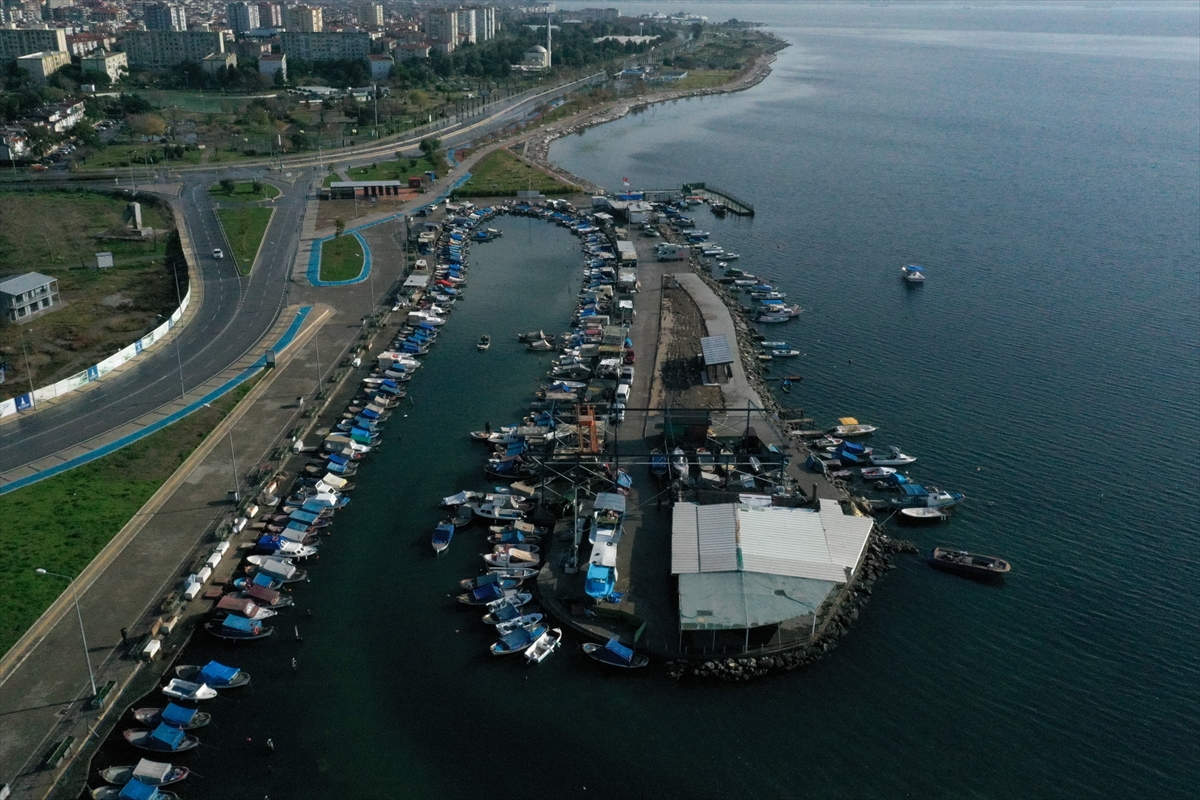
(235, 313)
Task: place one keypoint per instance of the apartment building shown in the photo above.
(168, 48)
(164, 17)
(15, 43)
(325, 46)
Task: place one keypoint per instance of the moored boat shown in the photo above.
(214, 674)
(164, 738)
(969, 564)
(615, 654)
(516, 642)
(151, 773)
(174, 715)
(891, 458)
(849, 427)
(442, 534)
(179, 689)
(924, 515)
(133, 790)
(913, 273)
(484, 343)
(238, 629)
(545, 644)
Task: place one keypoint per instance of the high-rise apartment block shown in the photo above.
(270, 15)
(442, 29)
(164, 17)
(242, 17)
(466, 25)
(370, 14)
(168, 48)
(325, 46)
(16, 43)
(305, 19)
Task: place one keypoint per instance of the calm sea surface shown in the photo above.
(1044, 164)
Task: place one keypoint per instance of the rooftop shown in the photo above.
(19, 284)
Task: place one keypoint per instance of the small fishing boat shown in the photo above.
(238, 629)
(784, 353)
(484, 343)
(659, 466)
(465, 496)
(545, 644)
(507, 609)
(773, 345)
(488, 593)
(921, 516)
(151, 773)
(164, 738)
(969, 564)
(502, 549)
(527, 621)
(490, 578)
(179, 689)
(512, 558)
(877, 473)
(521, 573)
(531, 336)
(540, 346)
(914, 496)
(244, 608)
(892, 458)
(679, 463)
(615, 654)
(214, 674)
(848, 427)
(516, 642)
(133, 790)
(462, 516)
(498, 507)
(174, 715)
(442, 535)
(913, 273)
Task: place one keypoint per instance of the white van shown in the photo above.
(623, 393)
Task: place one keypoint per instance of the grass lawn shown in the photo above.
(501, 174)
(701, 79)
(243, 191)
(330, 178)
(341, 259)
(66, 520)
(245, 228)
(398, 170)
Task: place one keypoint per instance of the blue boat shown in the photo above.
(914, 496)
(214, 674)
(136, 790)
(442, 535)
(517, 641)
(615, 654)
(237, 628)
(163, 739)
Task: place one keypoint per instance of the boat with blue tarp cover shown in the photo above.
(165, 738)
(153, 773)
(615, 654)
(176, 716)
(235, 628)
(215, 674)
(915, 496)
(135, 789)
(517, 641)
(442, 534)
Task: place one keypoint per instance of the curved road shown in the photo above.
(236, 312)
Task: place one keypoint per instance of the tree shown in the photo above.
(228, 185)
(339, 227)
(258, 187)
(85, 133)
(147, 124)
(430, 145)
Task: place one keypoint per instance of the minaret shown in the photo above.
(549, 50)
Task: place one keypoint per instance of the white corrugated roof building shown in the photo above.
(744, 566)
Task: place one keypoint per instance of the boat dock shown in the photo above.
(719, 198)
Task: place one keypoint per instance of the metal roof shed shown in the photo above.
(716, 350)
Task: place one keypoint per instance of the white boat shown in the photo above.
(772, 319)
(679, 462)
(531, 336)
(151, 773)
(731, 256)
(848, 427)
(512, 558)
(773, 345)
(892, 458)
(876, 473)
(179, 689)
(484, 343)
(540, 346)
(527, 621)
(501, 507)
(913, 273)
(465, 496)
(532, 549)
(784, 353)
(544, 646)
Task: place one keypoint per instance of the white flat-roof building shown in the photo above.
(271, 63)
(41, 66)
(111, 64)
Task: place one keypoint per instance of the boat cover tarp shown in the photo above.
(264, 580)
(278, 568)
(265, 596)
(217, 674)
(304, 516)
(152, 772)
(236, 605)
(610, 501)
(619, 650)
(178, 715)
(136, 790)
(488, 592)
(168, 735)
(913, 490)
(241, 624)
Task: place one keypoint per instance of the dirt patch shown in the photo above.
(116, 301)
(681, 379)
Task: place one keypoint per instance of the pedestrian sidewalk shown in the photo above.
(44, 681)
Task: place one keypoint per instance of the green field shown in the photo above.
(398, 170)
(243, 192)
(341, 259)
(66, 520)
(501, 174)
(245, 228)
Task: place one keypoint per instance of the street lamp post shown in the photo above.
(87, 656)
